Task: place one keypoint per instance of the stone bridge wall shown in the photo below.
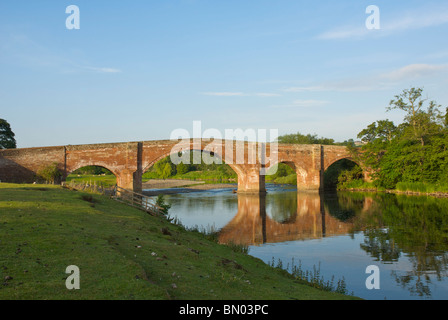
(129, 160)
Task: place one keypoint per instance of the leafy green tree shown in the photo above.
(50, 173)
(167, 171)
(7, 140)
(382, 130)
(299, 138)
(423, 123)
(348, 176)
(413, 151)
(181, 168)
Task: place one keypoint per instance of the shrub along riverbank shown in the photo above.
(123, 253)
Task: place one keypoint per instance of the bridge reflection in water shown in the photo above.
(255, 224)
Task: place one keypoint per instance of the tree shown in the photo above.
(181, 168)
(50, 173)
(7, 140)
(415, 150)
(423, 123)
(167, 171)
(299, 138)
(383, 130)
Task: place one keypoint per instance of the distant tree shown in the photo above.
(181, 168)
(168, 171)
(299, 138)
(50, 173)
(7, 140)
(93, 170)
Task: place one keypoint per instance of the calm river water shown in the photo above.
(406, 237)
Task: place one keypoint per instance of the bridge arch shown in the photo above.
(236, 168)
(305, 175)
(70, 170)
(337, 159)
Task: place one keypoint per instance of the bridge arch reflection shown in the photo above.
(313, 218)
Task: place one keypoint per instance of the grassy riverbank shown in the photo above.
(409, 188)
(122, 253)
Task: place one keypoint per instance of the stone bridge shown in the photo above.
(129, 160)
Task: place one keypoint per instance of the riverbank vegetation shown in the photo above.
(122, 253)
(410, 156)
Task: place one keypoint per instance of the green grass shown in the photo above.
(122, 253)
(357, 184)
(289, 179)
(421, 187)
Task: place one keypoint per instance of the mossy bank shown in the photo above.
(122, 253)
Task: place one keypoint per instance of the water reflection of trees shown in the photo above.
(394, 227)
(282, 207)
(417, 227)
(397, 226)
(209, 203)
(343, 206)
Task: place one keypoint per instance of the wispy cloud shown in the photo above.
(265, 94)
(345, 33)
(240, 94)
(103, 70)
(381, 81)
(413, 71)
(21, 50)
(346, 85)
(417, 19)
(303, 104)
(224, 94)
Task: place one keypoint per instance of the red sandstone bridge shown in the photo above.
(252, 224)
(129, 160)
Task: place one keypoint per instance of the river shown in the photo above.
(341, 234)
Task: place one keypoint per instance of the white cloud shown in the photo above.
(265, 94)
(411, 20)
(304, 104)
(345, 33)
(22, 50)
(346, 85)
(413, 71)
(375, 81)
(103, 70)
(240, 94)
(224, 94)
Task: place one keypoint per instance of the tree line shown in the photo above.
(412, 152)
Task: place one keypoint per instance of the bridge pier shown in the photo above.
(310, 180)
(250, 181)
(130, 180)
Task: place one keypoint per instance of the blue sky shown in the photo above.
(137, 70)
